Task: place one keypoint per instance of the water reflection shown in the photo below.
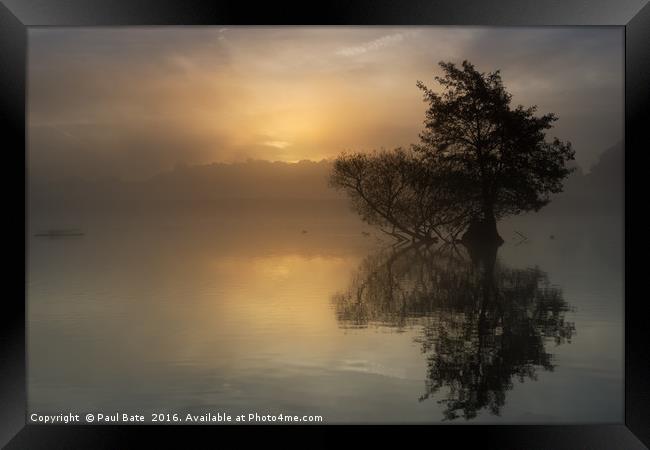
(483, 325)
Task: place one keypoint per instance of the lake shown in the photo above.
(302, 310)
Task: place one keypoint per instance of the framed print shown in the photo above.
(366, 216)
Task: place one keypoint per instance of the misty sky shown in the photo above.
(130, 102)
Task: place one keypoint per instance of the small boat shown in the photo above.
(60, 233)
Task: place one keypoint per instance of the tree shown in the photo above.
(479, 159)
(397, 192)
(496, 157)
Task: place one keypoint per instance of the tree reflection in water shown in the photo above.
(484, 325)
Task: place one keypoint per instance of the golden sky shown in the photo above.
(130, 102)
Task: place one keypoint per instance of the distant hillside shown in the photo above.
(601, 189)
(303, 182)
(253, 179)
(219, 182)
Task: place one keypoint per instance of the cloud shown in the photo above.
(277, 144)
(375, 44)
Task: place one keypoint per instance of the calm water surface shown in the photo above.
(305, 313)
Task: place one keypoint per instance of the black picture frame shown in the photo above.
(17, 15)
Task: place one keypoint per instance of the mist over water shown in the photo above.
(233, 308)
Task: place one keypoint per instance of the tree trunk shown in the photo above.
(483, 231)
(489, 228)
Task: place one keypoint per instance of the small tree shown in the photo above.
(397, 192)
(496, 158)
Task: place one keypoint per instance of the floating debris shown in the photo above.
(59, 233)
